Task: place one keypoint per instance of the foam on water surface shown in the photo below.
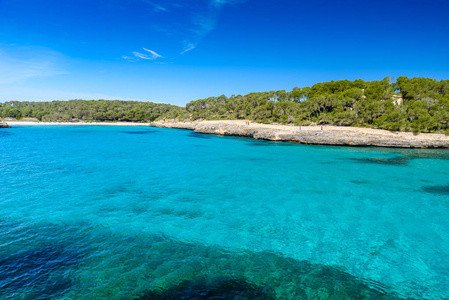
(117, 213)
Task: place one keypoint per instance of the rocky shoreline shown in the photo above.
(4, 125)
(313, 135)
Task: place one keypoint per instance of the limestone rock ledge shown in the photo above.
(4, 125)
(314, 135)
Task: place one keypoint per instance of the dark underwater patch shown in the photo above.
(84, 131)
(437, 189)
(4, 133)
(257, 159)
(41, 269)
(359, 182)
(224, 288)
(199, 135)
(285, 144)
(395, 161)
(139, 209)
(211, 272)
(260, 144)
(140, 132)
(425, 153)
(410, 154)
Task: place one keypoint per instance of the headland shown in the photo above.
(313, 135)
(4, 125)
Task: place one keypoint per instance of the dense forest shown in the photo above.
(93, 110)
(417, 104)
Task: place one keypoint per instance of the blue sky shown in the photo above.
(176, 51)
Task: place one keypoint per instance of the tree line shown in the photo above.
(405, 104)
(92, 110)
(417, 104)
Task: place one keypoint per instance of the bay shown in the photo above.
(145, 213)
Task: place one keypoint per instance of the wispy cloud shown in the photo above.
(24, 67)
(25, 93)
(196, 21)
(156, 7)
(138, 56)
(154, 55)
(128, 57)
(220, 3)
(188, 48)
(205, 22)
(18, 64)
(159, 8)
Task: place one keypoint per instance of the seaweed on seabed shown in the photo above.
(140, 132)
(260, 143)
(252, 275)
(199, 135)
(395, 161)
(222, 288)
(4, 133)
(358, 181)
(42, 268)
(437, 189)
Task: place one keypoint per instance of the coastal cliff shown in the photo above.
(4, 125)
(314, 135)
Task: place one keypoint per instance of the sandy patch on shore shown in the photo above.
(18, 123)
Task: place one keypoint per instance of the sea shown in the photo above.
(112, 212)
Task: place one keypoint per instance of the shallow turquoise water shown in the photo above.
(129, 212)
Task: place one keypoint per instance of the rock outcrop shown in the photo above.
(4, 125)
(316, 135)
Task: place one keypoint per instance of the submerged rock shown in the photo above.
(224, 288)
(437, 189)
(194, 271)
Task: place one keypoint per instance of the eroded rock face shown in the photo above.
(4, 125)
(318, 135)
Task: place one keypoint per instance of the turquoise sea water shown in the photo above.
(144, 213)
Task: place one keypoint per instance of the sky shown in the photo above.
(176, 51)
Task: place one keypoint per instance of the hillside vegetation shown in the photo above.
(417, 104)
(92, 110)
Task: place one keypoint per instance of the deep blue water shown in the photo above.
(143, 213)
